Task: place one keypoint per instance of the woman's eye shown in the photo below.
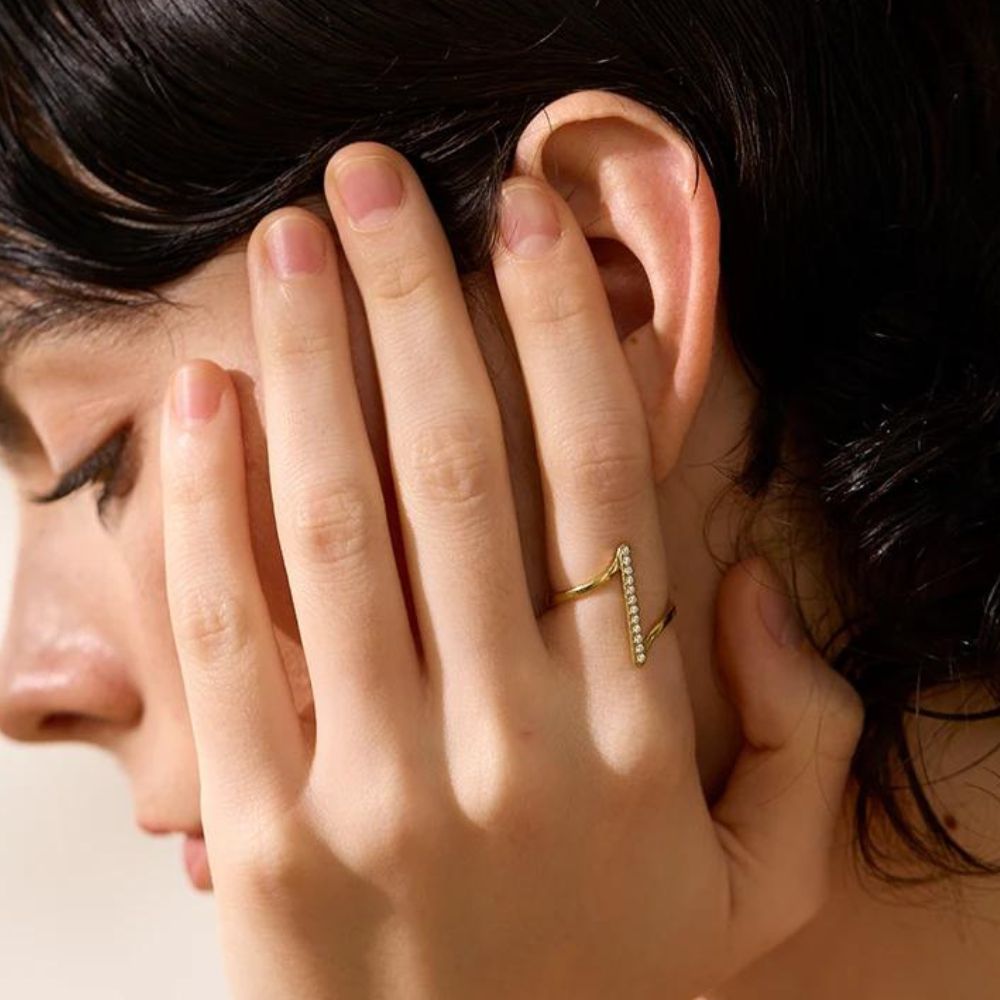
(104, 467)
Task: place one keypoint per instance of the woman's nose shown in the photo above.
(65, 696)
(61, 679)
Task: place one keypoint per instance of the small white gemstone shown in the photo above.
(632, 599)
(627, 577)
(636, 629)
(641, 658)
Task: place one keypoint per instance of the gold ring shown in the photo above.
(622, 563)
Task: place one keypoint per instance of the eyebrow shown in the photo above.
(22, 326)
(70, 320)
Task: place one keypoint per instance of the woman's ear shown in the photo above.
(647, 205)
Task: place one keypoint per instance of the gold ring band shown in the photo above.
(622, 562)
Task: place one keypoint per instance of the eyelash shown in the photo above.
(103, 466)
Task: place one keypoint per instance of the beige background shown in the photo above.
(91, 908)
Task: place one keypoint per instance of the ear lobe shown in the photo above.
(630, 179)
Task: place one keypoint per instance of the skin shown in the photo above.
(91, 637)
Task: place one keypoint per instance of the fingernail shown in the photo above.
(779, 615)
(295, 246)
(372, 191)
(197, 390)
(530, 224)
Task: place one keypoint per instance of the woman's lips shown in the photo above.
(196, 862)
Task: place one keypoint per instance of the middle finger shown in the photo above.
(449, 463)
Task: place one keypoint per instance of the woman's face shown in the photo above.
(88, 653)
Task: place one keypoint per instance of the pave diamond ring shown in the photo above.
(622, 563)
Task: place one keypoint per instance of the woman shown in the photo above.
(792, 211)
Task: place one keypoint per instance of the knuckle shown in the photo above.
(448, 463)
(212, 625)
(189, 488)
(507, 796)
(402, 280)
(604, 463)
(332, 523)
(561, 307)
(654, 768)
(294, 339)
(271, 863)
(398, 843)
(400, 836)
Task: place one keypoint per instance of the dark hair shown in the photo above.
(853, 147)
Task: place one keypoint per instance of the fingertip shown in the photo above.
(194, 401)
(777, 611)
(196, 389)
(531, 223)
(361, 149)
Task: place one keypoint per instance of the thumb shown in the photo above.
(801, 723)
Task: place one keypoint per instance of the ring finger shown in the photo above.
(593, 445)
(449, 462)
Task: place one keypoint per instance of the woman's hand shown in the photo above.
(515, 811)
